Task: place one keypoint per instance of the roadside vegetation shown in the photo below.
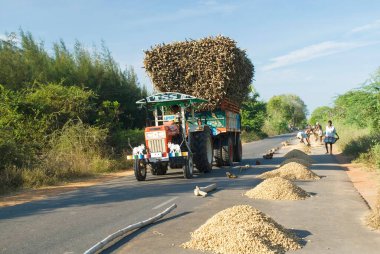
(63, 114)
(356, 115)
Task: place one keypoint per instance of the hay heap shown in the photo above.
(212, 68)
(300, 161)
(291, 171)
(373, 219)
(295, 153)
(277, 188)
(242, 230)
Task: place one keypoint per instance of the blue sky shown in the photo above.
(315, 49)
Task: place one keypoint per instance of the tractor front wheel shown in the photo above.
(188, 167)
(139, 167)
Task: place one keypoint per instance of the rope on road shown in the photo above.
(100, 245)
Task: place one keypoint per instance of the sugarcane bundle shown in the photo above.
(212, 68)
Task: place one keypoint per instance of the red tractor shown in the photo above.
(179, 138)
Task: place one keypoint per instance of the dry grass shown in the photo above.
(242, 230)
(291, 171)
(277, 188)
(295, 153)
(300, 161)
(373, 219)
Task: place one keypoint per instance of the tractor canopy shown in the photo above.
(170, 99)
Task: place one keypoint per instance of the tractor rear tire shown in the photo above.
(238, 150)
(228, 152)
(202, 148)
(188, 168)
(140, 169)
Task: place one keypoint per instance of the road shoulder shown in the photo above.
(365, 180)
(28, 195)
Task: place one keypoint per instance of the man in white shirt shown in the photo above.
(330, 136)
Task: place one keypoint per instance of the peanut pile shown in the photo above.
(277, 188)
(291, 171)
(242, 230)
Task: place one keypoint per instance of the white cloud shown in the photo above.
(370, 26)
(313, 51)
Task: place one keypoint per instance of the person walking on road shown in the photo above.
(330, 136)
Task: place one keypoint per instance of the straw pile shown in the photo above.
(300, 161)
(295, 153)
(291, 171)
(373, 219)
(242, 230)
(277, 188)
(212, 68)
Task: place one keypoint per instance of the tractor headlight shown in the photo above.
(155, 135)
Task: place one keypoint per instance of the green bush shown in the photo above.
(372, 157)
(274, 127)
(10, 179)
(77, 150)
(249, 136)
(119, 139)
(362, 144)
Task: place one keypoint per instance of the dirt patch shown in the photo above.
(242, 230)
(29, 195)
(277, 188)
(291, 171)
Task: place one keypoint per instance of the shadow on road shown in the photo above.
(134, 234)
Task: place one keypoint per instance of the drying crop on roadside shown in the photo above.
(300, 161)
(291, 171)
(295, 153)
(277, 188)
(373, 219)
(306, 149)
(242, 230)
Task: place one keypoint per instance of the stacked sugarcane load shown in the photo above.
(212, 68)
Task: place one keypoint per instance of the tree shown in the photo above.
(253, 112)
(321, 114)
(284, 111)
(25, 61)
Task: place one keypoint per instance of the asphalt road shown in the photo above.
(72, 222)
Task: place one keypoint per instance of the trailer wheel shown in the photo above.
(202, 147)
(140, 169)
(228, 152)
(218, 152)
(188, 167)
(238, 150)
